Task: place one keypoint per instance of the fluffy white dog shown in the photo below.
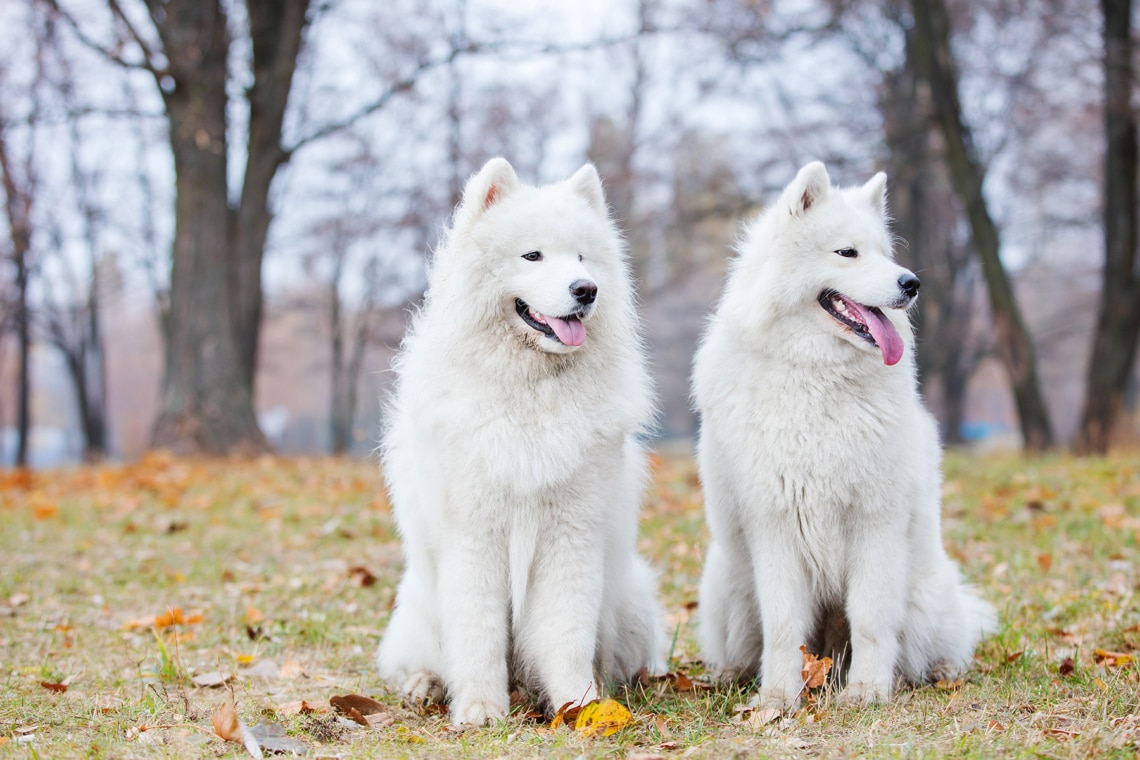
(511, 458)
(820, 464)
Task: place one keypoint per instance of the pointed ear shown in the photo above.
(588, 184)
(876, 192)
(495, 181)
(810, 186)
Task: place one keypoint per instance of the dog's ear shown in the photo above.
(588, 184)
(876, 192)
(810, 186)
(491, 184)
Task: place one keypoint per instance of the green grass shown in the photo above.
(293, 563)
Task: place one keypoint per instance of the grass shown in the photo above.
(286, 568)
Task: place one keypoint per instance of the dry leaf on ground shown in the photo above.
(602, 718)
(228, 726)
(211, 680)
(815, 669)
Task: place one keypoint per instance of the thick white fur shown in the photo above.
(512, 463)
(820, 464)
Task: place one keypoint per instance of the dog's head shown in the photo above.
(840, 260)
(549, 256)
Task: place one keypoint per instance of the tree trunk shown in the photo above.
(206, 403)
(337, 416)
(24, 359)
(929, 44)
(276, 28)
(922, 205)
(17, 208)
(1118, 319)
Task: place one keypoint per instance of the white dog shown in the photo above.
(511, 458)
(820, 465)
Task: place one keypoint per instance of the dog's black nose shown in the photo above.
(909, 284)
(584, 291)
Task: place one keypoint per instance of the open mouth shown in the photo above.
(568, 330)
(867, 322)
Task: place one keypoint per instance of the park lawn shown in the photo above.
(126, 591)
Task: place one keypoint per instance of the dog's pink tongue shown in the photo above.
(570, 331)
(885, 334)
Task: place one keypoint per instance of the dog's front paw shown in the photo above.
(777, 698)
(477, 712)
(942, 670)
(424, 687)
(864, 693)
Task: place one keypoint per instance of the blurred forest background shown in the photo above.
(217, 213)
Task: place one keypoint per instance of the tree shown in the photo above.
(215, 280)
(922, 203)
(928, 42)
(18, 210)
(1118, 317)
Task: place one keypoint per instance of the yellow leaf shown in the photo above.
(602, 718)
(1112, 659)
(1100, 684)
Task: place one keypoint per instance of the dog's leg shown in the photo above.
(475, 610)
(409, 654)
(786, 616)
(564, 602)
(731, 640)
(876, 604)
(630, 634)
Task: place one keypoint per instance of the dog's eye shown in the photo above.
(848, 253)
(533, 256)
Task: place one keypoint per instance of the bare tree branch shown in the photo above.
(110, 55)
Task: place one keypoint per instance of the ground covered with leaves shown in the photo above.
(177, 608)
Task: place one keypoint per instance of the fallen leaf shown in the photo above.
(567, 714)
(1045, 561)
(758, 718)
(363, 705)
(380, 720)
(228, 726)
(1067, 666)
(602, 718)
(815, 670)
(300, 707)
(253, 615)
(291, 670)
(948, 685)
(212, 679)
(1112, 659)
(362, 575)
(272, 737)
(59, 688)
(1014, 657)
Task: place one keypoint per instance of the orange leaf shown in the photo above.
(58, 688)
(226, 722)
(1045, 561)
(228, 726)
(172, 616)
(815, 670)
